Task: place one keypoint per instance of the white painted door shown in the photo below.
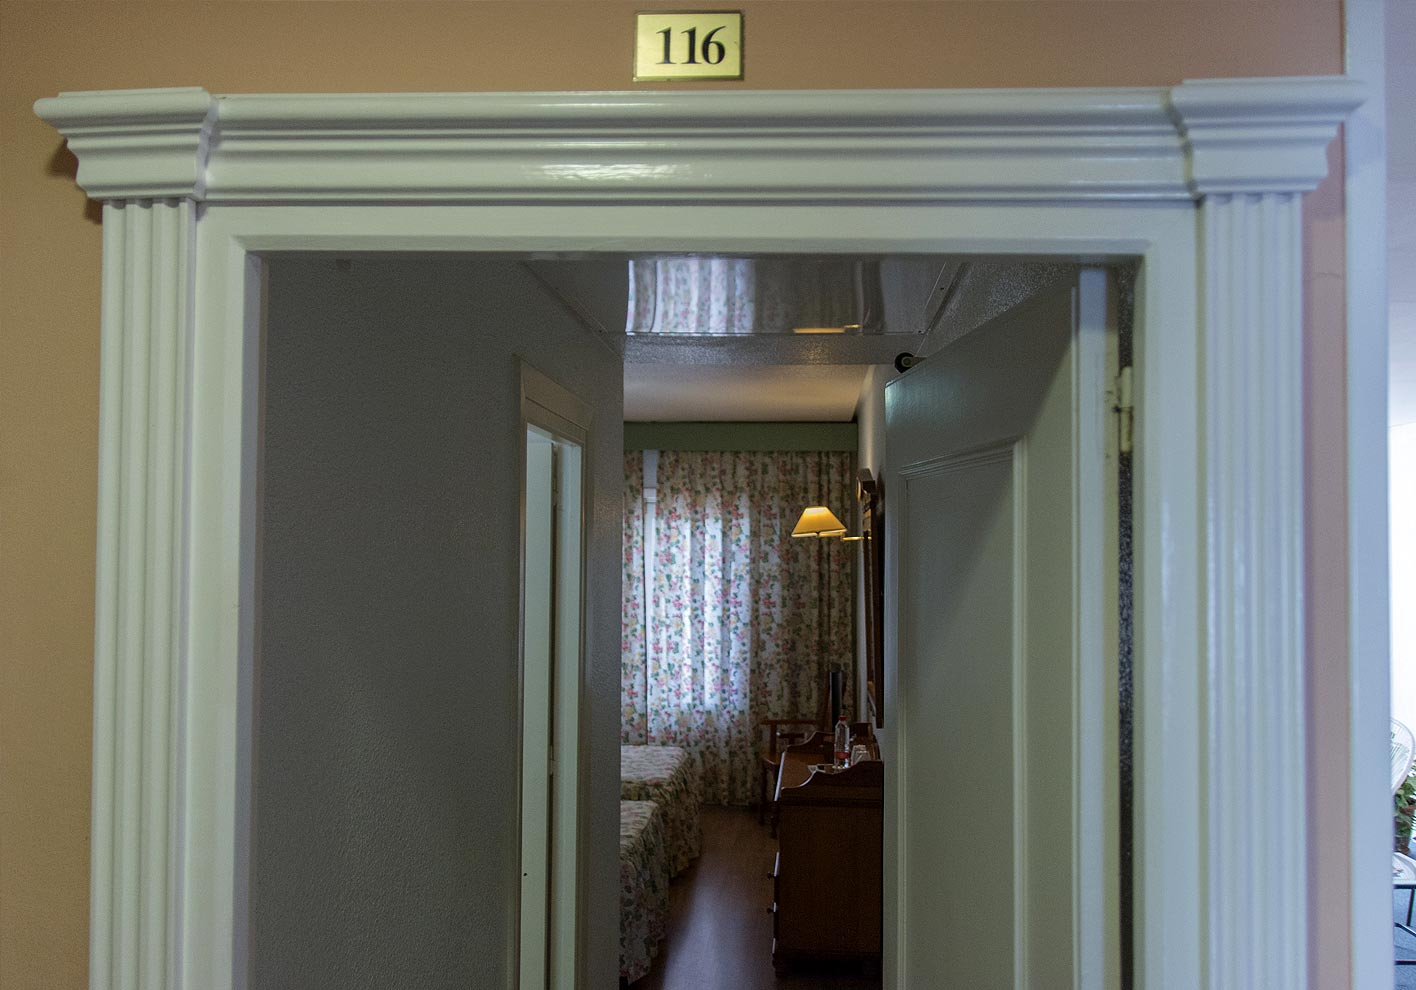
(1001, 580)
(552, 656)
(537, 709)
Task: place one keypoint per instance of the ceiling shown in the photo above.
(1401, 207)
(770, 373)
(764, 393)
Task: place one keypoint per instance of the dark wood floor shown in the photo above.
(720, 934)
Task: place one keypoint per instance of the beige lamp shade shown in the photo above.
(817, 520)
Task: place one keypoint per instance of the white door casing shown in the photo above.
(537, 704)
(1367, 960)
(558, 426)
(1200, 181)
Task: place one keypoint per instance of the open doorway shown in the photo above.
(743, 380)
(406, 363)
(1152, 174)
(953, 300)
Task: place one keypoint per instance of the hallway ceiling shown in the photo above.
(771, 373)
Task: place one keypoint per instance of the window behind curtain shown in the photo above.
(733, 621)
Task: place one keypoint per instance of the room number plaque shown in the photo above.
(688, 44)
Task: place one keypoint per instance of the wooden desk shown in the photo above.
(827, 882)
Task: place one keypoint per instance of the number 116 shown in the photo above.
(710, 51)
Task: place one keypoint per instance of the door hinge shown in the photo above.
(1125, 411)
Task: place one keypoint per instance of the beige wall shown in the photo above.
(49, 276)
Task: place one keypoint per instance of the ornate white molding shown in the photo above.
(1252, 135)
(138, 662)
(1251, 259)
(817, 147)
(1072, 170)
(136, 143)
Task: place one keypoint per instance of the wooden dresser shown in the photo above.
(826, 879)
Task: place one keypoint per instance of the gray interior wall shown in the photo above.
(870, 456)
(385, 777)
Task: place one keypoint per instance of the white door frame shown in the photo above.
(1368, 536)
(1200, 181)
(556, 412)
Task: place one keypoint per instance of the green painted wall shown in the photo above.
(740, 436)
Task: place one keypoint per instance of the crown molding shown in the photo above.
(136, 143)
(1260, 135)
(1246, 135)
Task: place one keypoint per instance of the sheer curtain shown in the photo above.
(729, 620)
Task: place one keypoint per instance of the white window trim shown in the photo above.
(1202, 181)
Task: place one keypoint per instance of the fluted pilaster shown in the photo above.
(1253, 463)
(1251, 154)
(147, 304)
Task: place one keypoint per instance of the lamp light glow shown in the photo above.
(817, 520)
(848, 328)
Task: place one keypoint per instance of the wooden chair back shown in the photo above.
(819, 743)
(785, 732)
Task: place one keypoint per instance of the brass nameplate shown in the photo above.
(688, 44)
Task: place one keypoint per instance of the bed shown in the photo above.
(644, 887)
(668, 776)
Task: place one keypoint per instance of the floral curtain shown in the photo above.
(707, 295)
(634, 625)
(732, 621)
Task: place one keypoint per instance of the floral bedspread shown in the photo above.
(668, 776)
(644, 887)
